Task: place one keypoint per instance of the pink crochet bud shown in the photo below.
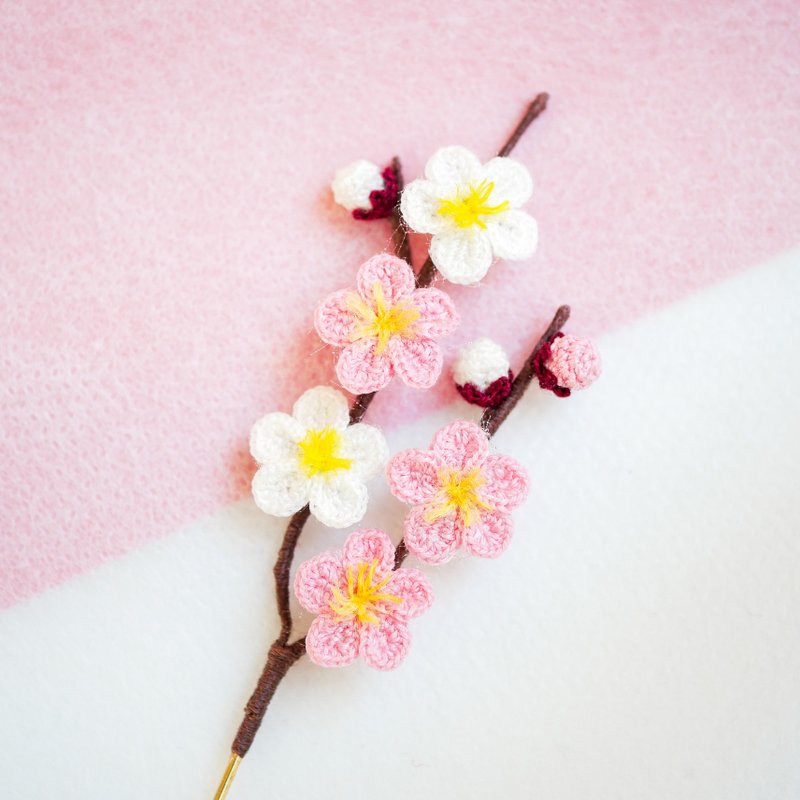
(565, 363)
(575, 362)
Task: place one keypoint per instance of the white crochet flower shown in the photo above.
(314, 456)
(472, 210)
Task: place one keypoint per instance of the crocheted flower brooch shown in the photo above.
(363, 603)
(316, 457)
(321, 459)
(385, 327)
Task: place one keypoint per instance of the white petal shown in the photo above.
(366, 446)
(280, 489)
(453, 166)
(338, 499)
(480, 363)
(419, 205)
(511, 180)
(322, 407)
(462, 255)
(514, 235)
(354, 183)
(274, 438)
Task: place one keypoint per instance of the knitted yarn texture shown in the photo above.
(386, 327)
(363, 604)
(315, 456)
(460, 495)
(473, 212)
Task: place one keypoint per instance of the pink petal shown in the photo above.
(413, 588)
(418, 361)
(506, 483)
(360, 369)
(395, 276)
(489, 537)
(334, 321)
(364, 546)
(333, 643)
(437, 313)
(433, 542)
(413, 476)
(461, 444)
(384, 646)
(315, 579)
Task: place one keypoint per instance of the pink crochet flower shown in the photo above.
(460, 495)
(363, 603)
(386, 327)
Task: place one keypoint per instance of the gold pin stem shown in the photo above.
(227, 778)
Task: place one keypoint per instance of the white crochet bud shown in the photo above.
(480, 363)
(353, 184)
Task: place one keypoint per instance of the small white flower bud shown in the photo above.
(480, 363)
(353, 184)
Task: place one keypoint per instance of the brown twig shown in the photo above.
(493, 418)
(400, 240)
(536, 107)
(281, 571)
(283, 655)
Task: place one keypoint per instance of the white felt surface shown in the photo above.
(639, 640)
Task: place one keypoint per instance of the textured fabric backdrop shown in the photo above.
(166, 225)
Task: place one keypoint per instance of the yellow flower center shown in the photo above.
(382, 322)
(458, 492)
(319, 452)
(363, 598)
(469, 206)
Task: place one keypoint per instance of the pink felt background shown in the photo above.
(166, 227)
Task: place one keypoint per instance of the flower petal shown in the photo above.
(462, 255)
(489, 537)
(452, 166)
(333, 643)
(413, 476)
(395, 277)
(334, 321)
(437, 313)
(514, 235)
(338, 499)
(461, 444)
(364, 546)
(360, 369)
(353, 184)
(322, 407)
(511, 179)
(417, 362)
(419, 205)
(413, 588)
(315, 579)
(384, 646)
(506, 483)
(280, 489)
(366, 446)
(432, 542)
(274, 438)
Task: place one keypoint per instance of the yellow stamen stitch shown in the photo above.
(458, 492)
(469, 207)
(384, 321)
(319, 452)
(363, 599)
